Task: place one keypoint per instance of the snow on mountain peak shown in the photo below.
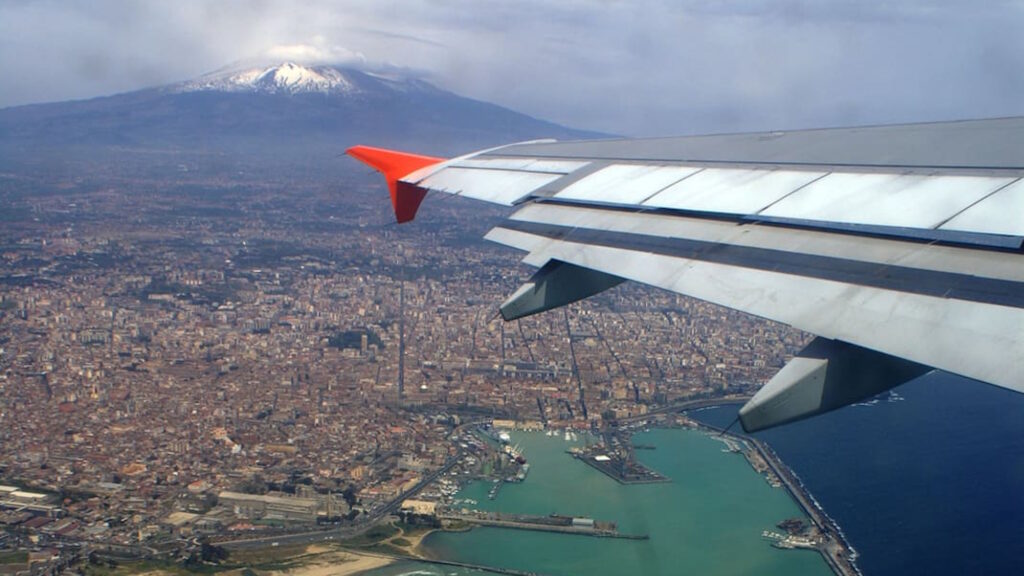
(289, 78)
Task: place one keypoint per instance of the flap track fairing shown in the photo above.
(556, 284)
(824, 376)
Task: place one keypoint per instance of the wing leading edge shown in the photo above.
(901, 256)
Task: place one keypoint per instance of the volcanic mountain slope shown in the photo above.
(278, 111)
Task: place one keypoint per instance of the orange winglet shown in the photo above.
(405, 197)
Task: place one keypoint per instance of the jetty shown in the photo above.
(615, 457)
(455, 563)
(622, 470)
(554, 523)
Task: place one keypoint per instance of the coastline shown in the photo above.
(419, 556)
(838, 553)
(416, 541)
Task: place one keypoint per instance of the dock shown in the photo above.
(495, 488)
(622, 470)
(554, 523)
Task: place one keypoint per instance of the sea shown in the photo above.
(929, 480)
(931, 484)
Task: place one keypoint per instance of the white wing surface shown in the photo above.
(899, 246)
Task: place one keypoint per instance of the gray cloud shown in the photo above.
(642, 67)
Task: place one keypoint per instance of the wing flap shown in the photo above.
(951, 319)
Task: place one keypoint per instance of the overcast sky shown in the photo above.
(642, 67)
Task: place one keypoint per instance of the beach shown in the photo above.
(333, 562)
(314, 560)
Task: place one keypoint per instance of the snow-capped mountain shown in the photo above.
(279, 111)
(287, 77)
(293, 78)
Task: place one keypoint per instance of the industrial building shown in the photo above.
(263, 507)
(15, 498)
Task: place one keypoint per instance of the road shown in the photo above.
(686, 405)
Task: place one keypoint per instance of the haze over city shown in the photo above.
(633, 68)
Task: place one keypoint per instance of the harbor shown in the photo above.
(614, 455)
(823, 535)
(689, 523)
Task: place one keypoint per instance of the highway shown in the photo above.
(686, 405)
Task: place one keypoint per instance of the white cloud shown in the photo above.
(640, 67)
(319, 53)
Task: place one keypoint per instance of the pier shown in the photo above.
(495, 488)
(477, 567)
(615, 457)
(622, 470)
(455, 563)
(553, 523)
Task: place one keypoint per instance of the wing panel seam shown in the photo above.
(976, 202)
(926, 282)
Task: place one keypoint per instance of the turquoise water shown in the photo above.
(930, 485)
(708, 520)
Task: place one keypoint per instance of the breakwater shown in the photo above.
(831, 542)
(455, 564)
(553, 523)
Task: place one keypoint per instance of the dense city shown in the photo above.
(188, 357)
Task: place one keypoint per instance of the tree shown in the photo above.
(349, 494)
(211, 553)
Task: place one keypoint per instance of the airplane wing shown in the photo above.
(900, 247)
